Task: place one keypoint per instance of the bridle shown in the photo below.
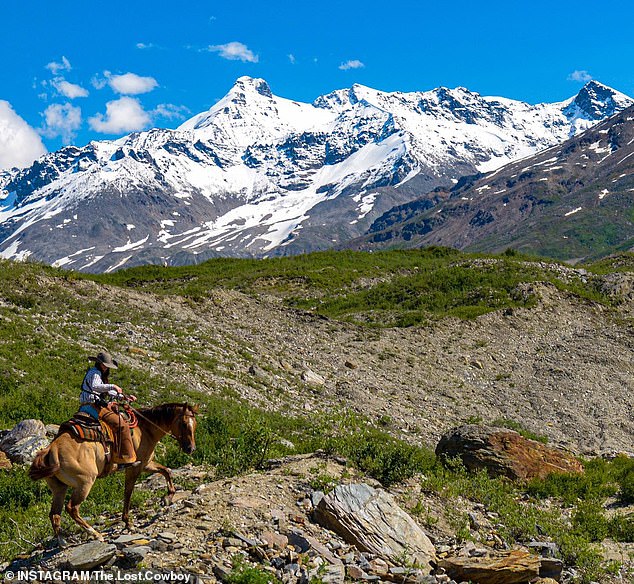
(186, 414)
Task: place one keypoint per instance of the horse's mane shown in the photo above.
(164, 413)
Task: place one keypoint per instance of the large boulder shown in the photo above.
(371, 520)
(513, 567)
(504, 452)
(24, 440)
(24, 451)
(23, 429)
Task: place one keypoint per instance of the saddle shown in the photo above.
(85, 427)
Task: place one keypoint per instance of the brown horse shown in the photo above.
(72, 463)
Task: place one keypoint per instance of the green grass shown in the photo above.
(393, 288)
(522, 515)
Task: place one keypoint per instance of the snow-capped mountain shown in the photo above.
(571, 202)
(259, 175)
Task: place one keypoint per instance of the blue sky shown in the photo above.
(73, 72)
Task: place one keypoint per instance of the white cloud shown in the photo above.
(131, 83)
(145, 45)
(55, 67)
(69, 90)
(582, 76)
(170, 111)
(353, 64)
(20, 144)
(125, 114)
(62, 120)
(100, 82)
(234, 51)
(292, 59)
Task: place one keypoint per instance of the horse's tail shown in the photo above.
(45, 464)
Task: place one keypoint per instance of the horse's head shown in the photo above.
(184, 428)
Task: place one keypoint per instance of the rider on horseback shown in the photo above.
(96, 399)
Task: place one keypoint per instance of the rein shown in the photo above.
(185, 415)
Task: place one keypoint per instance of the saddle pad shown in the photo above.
(85, 427)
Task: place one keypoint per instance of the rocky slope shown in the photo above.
(266, 521)
(550, 367)
(562, 369)
(570, 202)
(260, 175)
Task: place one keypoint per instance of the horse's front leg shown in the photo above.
(167, 473)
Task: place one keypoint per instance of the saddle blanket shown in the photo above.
(85, 427)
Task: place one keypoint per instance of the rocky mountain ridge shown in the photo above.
(260, 175)
(569, 202)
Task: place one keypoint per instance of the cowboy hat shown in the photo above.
(105, 359)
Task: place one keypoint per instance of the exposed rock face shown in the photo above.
(514, 567)
(504, 452)
(22, 442)
(371, 520)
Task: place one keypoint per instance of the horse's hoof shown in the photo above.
(61, 542)
(96, 535)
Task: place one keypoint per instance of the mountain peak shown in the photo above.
(598, 101)
(252, 84)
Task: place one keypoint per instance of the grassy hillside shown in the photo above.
(397, 288)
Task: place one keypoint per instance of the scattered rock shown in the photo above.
(370, 519)
(332, 574)
(168, 536)
(128, 538)
(547, 549)
(90, 555)
(24, 451)
(22, 430)
(551, 568)
(24, 440)
(256, 371)
(274, 540)
(312, 378)
(514, 567)
(51, 430)
(504, 452)
(133, 555)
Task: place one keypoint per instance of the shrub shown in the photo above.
(242, 573)
(596, 483)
